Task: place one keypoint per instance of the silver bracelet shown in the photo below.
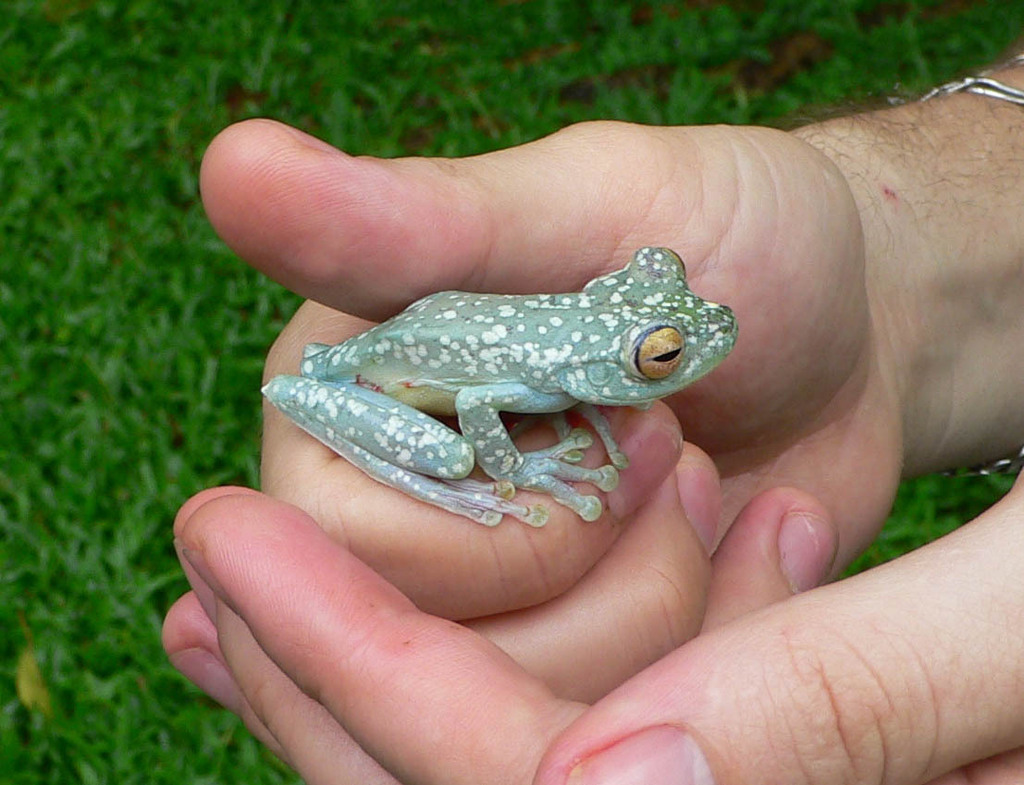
(1012, 464)
(983, 84)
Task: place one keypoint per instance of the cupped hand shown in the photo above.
(909, 674)
(765, 223)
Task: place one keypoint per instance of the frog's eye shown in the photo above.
(657, 352)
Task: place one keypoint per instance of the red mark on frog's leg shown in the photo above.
(890, 194)
(575, 419)
(363, 382)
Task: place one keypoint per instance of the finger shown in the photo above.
(428, 699)
(319, 748)
(898, 675)
(193, 503)
(300, 729)
(1005, 769)
(190, 640)
(641, 601)
(432, 554)
(783, 542)
(367, 236)
(700, 491)
(224, 661)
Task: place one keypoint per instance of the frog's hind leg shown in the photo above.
(396, 445)
(469, 498)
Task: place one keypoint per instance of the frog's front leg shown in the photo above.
(395, 444)
(547, 470)
(560, 422)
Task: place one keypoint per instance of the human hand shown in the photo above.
(928, 421)
(550, 216)
(765, 223)
(908, 674)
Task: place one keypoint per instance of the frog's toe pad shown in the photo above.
(537, 515)
(608, 478)
(570, 449)
(489, 518)
(619, 459)
(580, 437)
(589, 508)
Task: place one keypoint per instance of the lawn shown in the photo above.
(131, 339)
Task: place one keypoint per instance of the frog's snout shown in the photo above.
(719, 330)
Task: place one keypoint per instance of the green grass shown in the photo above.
(131, 340)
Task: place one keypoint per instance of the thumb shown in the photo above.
(897, 676)
(368, 235)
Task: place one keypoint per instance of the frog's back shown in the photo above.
(464, 338)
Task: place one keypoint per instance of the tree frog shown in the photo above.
(629, 338)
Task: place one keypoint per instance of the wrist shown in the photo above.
(940, 190)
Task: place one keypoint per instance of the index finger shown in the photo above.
(428, 699)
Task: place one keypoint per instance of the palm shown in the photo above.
(775, 233)
(766, 226)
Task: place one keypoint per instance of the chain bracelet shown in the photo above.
(1012, 464)
(986, 86)
(983, 84)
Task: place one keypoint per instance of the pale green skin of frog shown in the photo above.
(370, 398)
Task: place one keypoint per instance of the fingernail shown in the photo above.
(656, 756)
(200, 578)
(807, 547)
(311, 141)
(698, 493)
(209, 674)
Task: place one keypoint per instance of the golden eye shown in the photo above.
(658, 352)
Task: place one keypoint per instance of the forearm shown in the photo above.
(940, 188)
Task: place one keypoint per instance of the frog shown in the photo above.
(628, 338)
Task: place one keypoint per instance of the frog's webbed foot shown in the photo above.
(486, 502)
(483, 502)
(571, 451)
(552, 469)
(560, 422)
(549, 470)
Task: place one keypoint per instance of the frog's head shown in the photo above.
(662, 337)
